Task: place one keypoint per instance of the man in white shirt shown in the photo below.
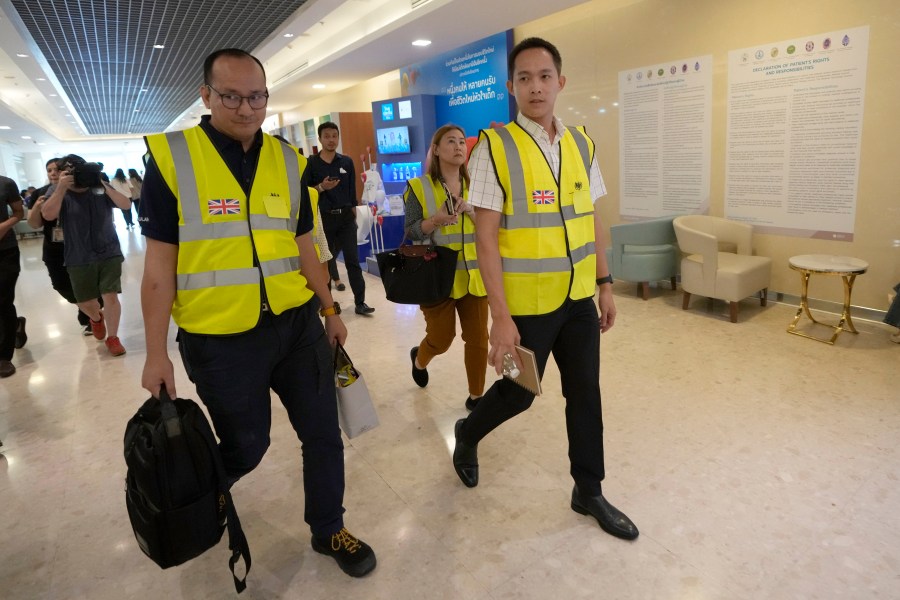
(540, 250)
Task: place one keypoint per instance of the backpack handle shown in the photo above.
(169, 413)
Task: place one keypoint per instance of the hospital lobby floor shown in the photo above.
(756, 465)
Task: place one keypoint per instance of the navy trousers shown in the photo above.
(9, 319)
(572, 335)
(289, 355)
(340, 231)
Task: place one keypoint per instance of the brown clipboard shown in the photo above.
(528, 378)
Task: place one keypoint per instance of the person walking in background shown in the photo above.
(53, 251)
(121, 185)
(436, 208)
(136, 184)
(540, 250)
(84, 204)
(334, 178)
(240, 277)
(12, 326)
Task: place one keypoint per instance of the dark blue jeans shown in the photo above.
(340, 231)
(9, 320)
(290, 355)
(572, 335)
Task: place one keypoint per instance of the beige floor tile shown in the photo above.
(756, 465)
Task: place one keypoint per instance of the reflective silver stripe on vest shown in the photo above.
(583, 149)
(466, 265)
(579, 254)
(185, 179)
(264, 222)
(431, 204)
(514, 165)
(209, 279)
(279, 266)
(536, 265)
(294, 189)
(194, 232)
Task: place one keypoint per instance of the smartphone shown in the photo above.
(450, 206)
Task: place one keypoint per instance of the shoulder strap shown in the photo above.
(237, 541)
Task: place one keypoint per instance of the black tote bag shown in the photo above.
(417, 274)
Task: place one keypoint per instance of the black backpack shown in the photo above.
(176, 490)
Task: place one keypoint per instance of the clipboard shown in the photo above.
(528, 378)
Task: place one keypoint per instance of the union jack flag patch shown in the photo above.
(543, 196)
(224, 206)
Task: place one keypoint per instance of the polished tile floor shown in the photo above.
(756, 464)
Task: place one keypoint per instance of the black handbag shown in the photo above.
(417, 274)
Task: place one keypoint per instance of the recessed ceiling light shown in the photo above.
(42, 79)
(137, 110)
(158, 46)
(615, 103)
(288, 35)
(26, 137)
(144, 90)
(5, 127)
(53, 95)
(318, 86)
(22, 55)
(421, 43)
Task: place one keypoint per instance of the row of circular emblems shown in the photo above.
(792, 49)
(673, 70)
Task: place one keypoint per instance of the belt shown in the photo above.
(337, 211)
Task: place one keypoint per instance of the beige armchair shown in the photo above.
(709, 271)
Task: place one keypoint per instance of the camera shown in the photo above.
(86, 174)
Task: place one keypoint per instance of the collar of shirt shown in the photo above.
(224, 142)
(539, 132)
(241, 164)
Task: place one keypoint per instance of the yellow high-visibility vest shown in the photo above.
(229, 244)
(461, 236)
(546, 231)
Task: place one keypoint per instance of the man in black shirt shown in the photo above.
(333, 176)
(226, 214)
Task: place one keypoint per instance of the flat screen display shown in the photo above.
(398, 172)
(393, 140)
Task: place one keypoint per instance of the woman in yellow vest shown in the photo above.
(436, 209)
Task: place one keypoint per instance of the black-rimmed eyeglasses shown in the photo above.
(233, 101)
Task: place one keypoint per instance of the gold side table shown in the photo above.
(826, 264)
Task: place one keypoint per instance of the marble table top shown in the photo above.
(828, 263)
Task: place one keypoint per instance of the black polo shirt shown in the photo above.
(159, 206)
(343, 195)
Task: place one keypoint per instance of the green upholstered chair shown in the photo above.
(643, 252)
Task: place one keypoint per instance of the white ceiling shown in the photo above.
(344, 43)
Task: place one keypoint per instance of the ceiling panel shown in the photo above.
(105, 59)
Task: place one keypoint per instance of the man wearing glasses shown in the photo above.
(230, 256)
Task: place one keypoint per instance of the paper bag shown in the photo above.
(356, 413)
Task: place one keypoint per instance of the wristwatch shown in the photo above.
(334, 309)
(602, 280)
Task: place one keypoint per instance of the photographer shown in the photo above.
(84, 204)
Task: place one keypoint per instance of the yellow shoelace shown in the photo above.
(344, 538)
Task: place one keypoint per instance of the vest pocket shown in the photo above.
(581, 202)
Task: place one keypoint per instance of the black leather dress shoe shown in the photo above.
(610, 518)
(364, 309)
(420, 376)
(465, 459)
(471, 403)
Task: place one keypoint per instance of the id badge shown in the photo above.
(57, 234)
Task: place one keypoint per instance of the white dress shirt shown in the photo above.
(485, 190)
